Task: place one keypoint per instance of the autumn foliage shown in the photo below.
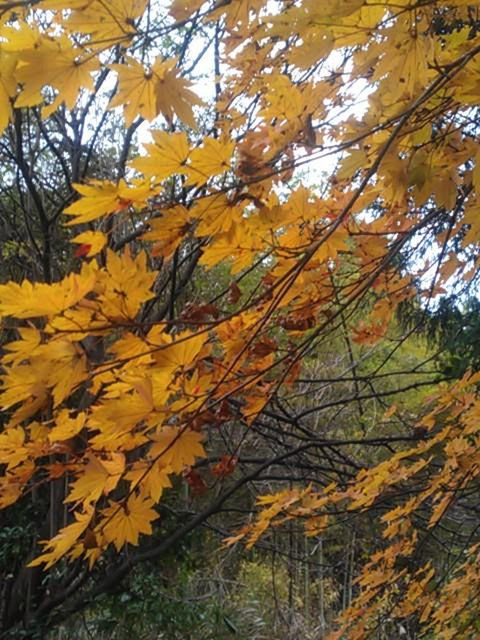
(337, 139)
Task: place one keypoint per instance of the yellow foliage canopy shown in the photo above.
(328, 140)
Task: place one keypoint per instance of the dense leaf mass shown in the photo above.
(321, 172)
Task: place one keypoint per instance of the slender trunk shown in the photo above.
(346, 567)
(351, 571)
(291, 574)
(321, 591)
(306, 583)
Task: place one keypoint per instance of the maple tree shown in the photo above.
(331, 163)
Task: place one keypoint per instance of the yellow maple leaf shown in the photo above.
(239, 245)
(99, 198)
(283, 99)
(125, 285)
(176, 447)
(94, 241)
(153, 478)
(328, 250)
(316, 44)
(195, 391)
(255, 402)
(211, 159)
(124, 524)
(168, 231)
(237, 13)
(216, 214)
(150, 91)
(166, 157)
(316, 525)
(78, 321)
(67, 370)
(174, 95)
(24, 384)
(181, 9)
(64, 67)
(8, 86)
(97, 477)
(240, 535)
(104, 22)
(19, 37)
(65, 426)
(122, 413)
(471, 218)
(12, 451)
(24, 348)
(182, 352)
(60, 544)
(30, 300)
(102, 197)
(131, 346)
(136, 91)
(11, 488)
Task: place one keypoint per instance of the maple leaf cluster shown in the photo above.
(120, 402)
